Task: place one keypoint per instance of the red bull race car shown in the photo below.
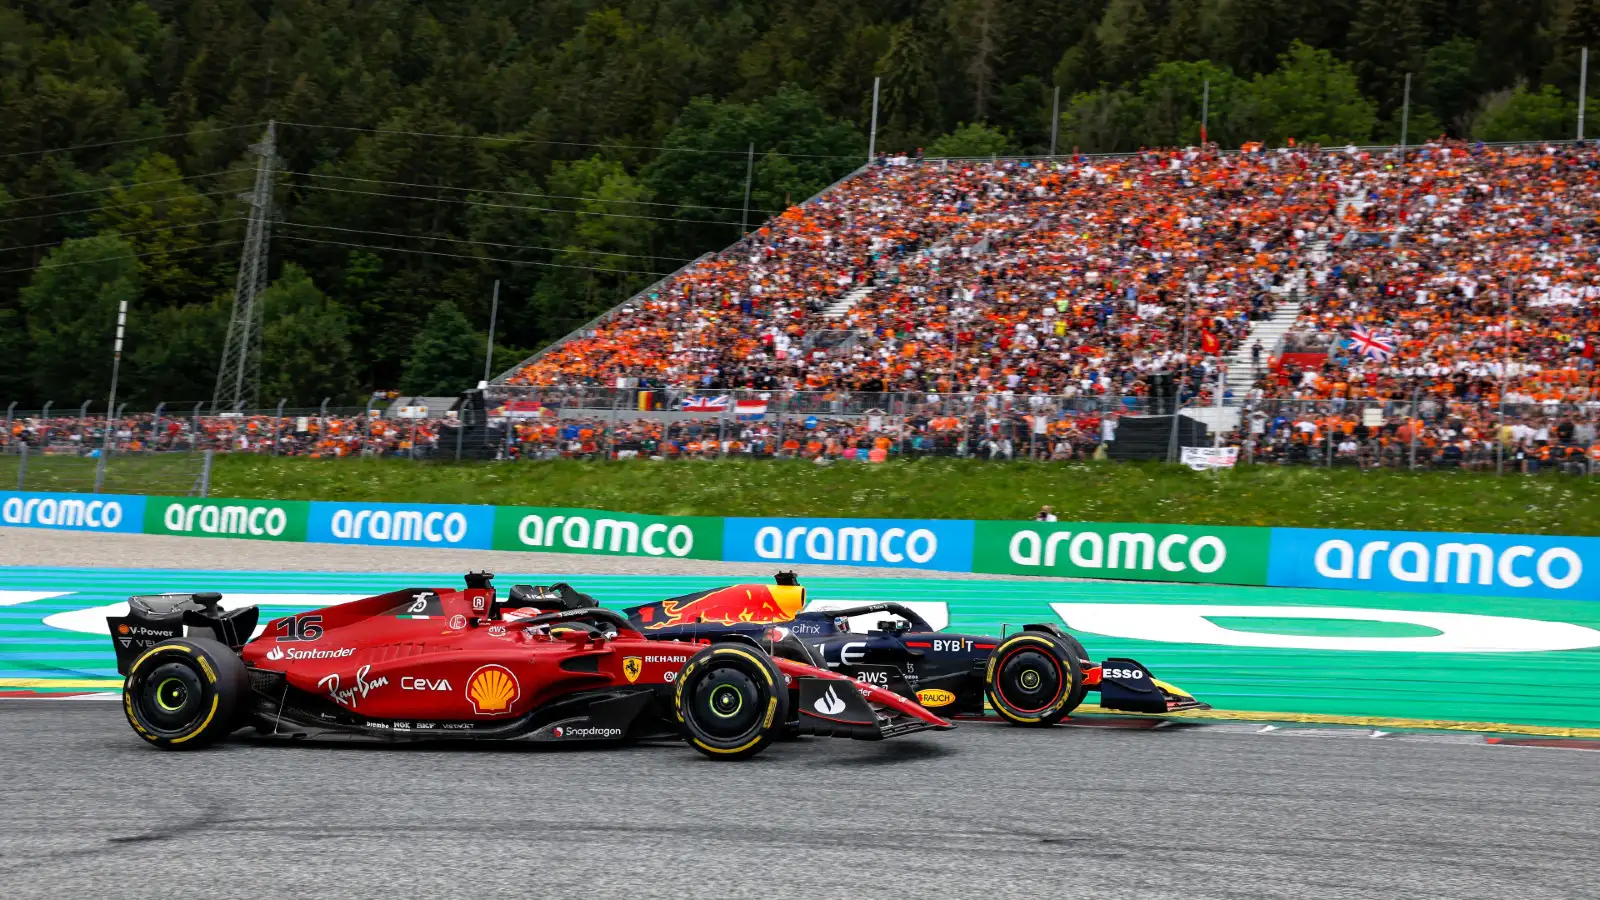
(548, 665)
(1035, 676)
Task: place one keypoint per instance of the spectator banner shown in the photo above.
(897, 543)
(1215, 555)
(1202, 458)
(266, 520)
(402, 524)
(1505, 565)
(595, 531)
(74, 512)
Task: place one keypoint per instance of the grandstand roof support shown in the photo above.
(239, 375)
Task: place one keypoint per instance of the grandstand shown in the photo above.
(1078, 279)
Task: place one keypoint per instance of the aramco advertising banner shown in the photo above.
(1216, 555)
(614, 534)
(1500, 565)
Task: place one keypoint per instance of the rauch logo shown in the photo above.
(847, 544)
(610, 535)
(1120, 550)
(254, 520)
(405, 525)
(1450, 563)
(66, 513)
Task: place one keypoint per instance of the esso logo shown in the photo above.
(1122, 673)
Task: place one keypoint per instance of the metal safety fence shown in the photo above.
(1421, 431)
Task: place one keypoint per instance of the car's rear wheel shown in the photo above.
(184, 694)
(1034, 678)
(731, 701)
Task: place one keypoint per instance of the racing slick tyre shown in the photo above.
(731, 701)
(1082, 689)
(1034, 678)
(185, 693)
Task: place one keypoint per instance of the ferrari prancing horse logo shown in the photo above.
(631, 667)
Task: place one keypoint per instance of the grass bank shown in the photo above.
(953, 489)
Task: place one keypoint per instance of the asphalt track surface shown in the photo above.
(87, 810)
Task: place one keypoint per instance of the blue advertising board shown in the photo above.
(402, 524)
(73, 512)
(1505, 565)
(942, 545)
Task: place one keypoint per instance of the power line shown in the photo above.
(91, 209)
(435, 237)
(159, 137)
(575, 212)
(111, 187)
(515, 262)
(446, 187)
(121, 234)
(85, 262)
(508, 140)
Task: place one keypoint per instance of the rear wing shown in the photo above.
(154, 618)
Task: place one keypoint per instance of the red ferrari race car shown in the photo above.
(549, 665)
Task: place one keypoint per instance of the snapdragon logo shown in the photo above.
(850, 543)
(605, 535)
(399, 525)
(62, 513)
(1138, 550)
(1449, 562)
(245, 521)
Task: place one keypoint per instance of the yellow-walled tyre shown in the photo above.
(731, 701)
(185, 694)
(1033, 678)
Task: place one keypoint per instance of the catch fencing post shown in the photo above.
(277, 426)
(322, 420)
(1412, 421)
(205, 473)
(155, 428)
(44, 422)
(83, 424)
(9, 410)
(194, 439)
(22, 468)
(461, 424)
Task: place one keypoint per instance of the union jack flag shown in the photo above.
(1373, 346)
(705, 404)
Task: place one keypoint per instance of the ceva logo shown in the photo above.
(253, 521)
(605, 534)
(68, 512)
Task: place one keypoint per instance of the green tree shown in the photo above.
(1451, 82)
(1526, 115)
(164, 220)
(173, 353)
(305, 343)
(1104, 121)
(1386, 42)
(444, 355)
(71, 310)
(969, 141)
(910, 94)
(1313, 98)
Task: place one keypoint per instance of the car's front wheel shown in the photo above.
(731, 701)
(184, 694)
(1034, 678)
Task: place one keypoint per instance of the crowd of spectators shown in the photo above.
(338, 435)
(1074, 277)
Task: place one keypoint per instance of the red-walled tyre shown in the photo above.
(1034, 678)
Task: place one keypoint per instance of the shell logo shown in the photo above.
(933, 697)
(492, 689)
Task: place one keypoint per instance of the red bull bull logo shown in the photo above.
(739, 604)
